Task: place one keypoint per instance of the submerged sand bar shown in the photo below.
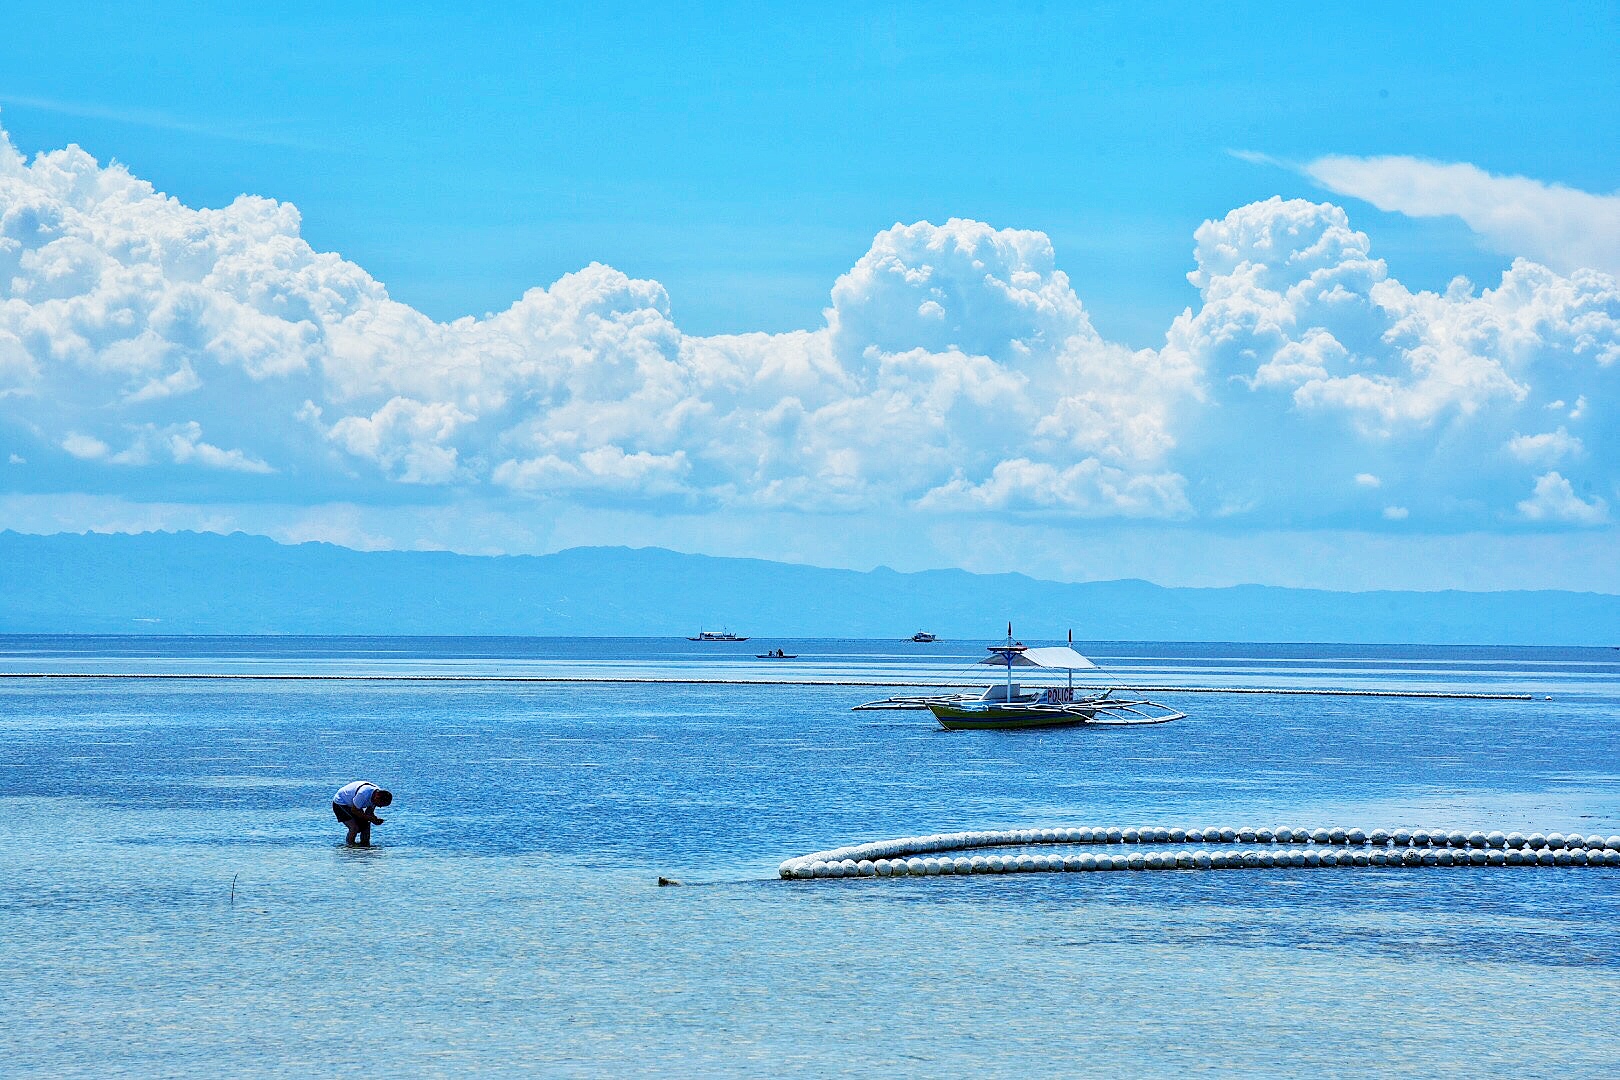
(701, 681)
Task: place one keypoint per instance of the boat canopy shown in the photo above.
(1053, 656)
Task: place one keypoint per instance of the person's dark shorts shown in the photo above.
(347, 814)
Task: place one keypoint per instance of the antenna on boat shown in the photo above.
(1071, 670)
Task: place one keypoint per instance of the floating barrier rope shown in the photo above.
(928, 856)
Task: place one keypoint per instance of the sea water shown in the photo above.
(176, 900)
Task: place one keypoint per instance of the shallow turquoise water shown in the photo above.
(509, 921)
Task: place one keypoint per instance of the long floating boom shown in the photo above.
(1282, 847)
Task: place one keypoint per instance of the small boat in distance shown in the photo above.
(923, 637)
(776, 654)
(1007, 705)
(716, 635)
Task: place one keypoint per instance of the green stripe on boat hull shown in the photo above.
(954, 719)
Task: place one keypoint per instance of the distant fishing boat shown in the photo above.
(776, 654)
(923, 637)
(1004, 706)
(716, 635)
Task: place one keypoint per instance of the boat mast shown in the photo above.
(1007, 653)
(1009, 662)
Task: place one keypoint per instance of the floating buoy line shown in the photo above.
(932, 856)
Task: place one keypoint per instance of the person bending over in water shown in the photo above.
(356, 806)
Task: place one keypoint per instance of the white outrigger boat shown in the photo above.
(716, 635)
(1007, 705)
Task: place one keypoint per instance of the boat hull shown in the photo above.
(1007, 717)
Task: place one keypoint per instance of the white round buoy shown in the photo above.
(1379, 836)
(1184, 860)
(1178, 836)
(1612, 842)
(1356, 836)
(1320, 836)
(1137, 861)
(1195, 836)
(1515, 840)
(1246, 835)
(1535, 841)
(1201, 860)
(1422, 838)
(1336, 836)
(1088, 861)
(1555, 840)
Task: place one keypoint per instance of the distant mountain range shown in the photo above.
(202, 583)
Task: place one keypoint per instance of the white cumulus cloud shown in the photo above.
(1563, 227)
(1545, 448)
(1554, 499)
(955, 371)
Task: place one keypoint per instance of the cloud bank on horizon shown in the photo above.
(173, 353)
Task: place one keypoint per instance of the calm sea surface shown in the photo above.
(508, 921)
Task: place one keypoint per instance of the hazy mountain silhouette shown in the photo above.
(201, 583)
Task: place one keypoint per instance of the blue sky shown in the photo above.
(743, 158)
